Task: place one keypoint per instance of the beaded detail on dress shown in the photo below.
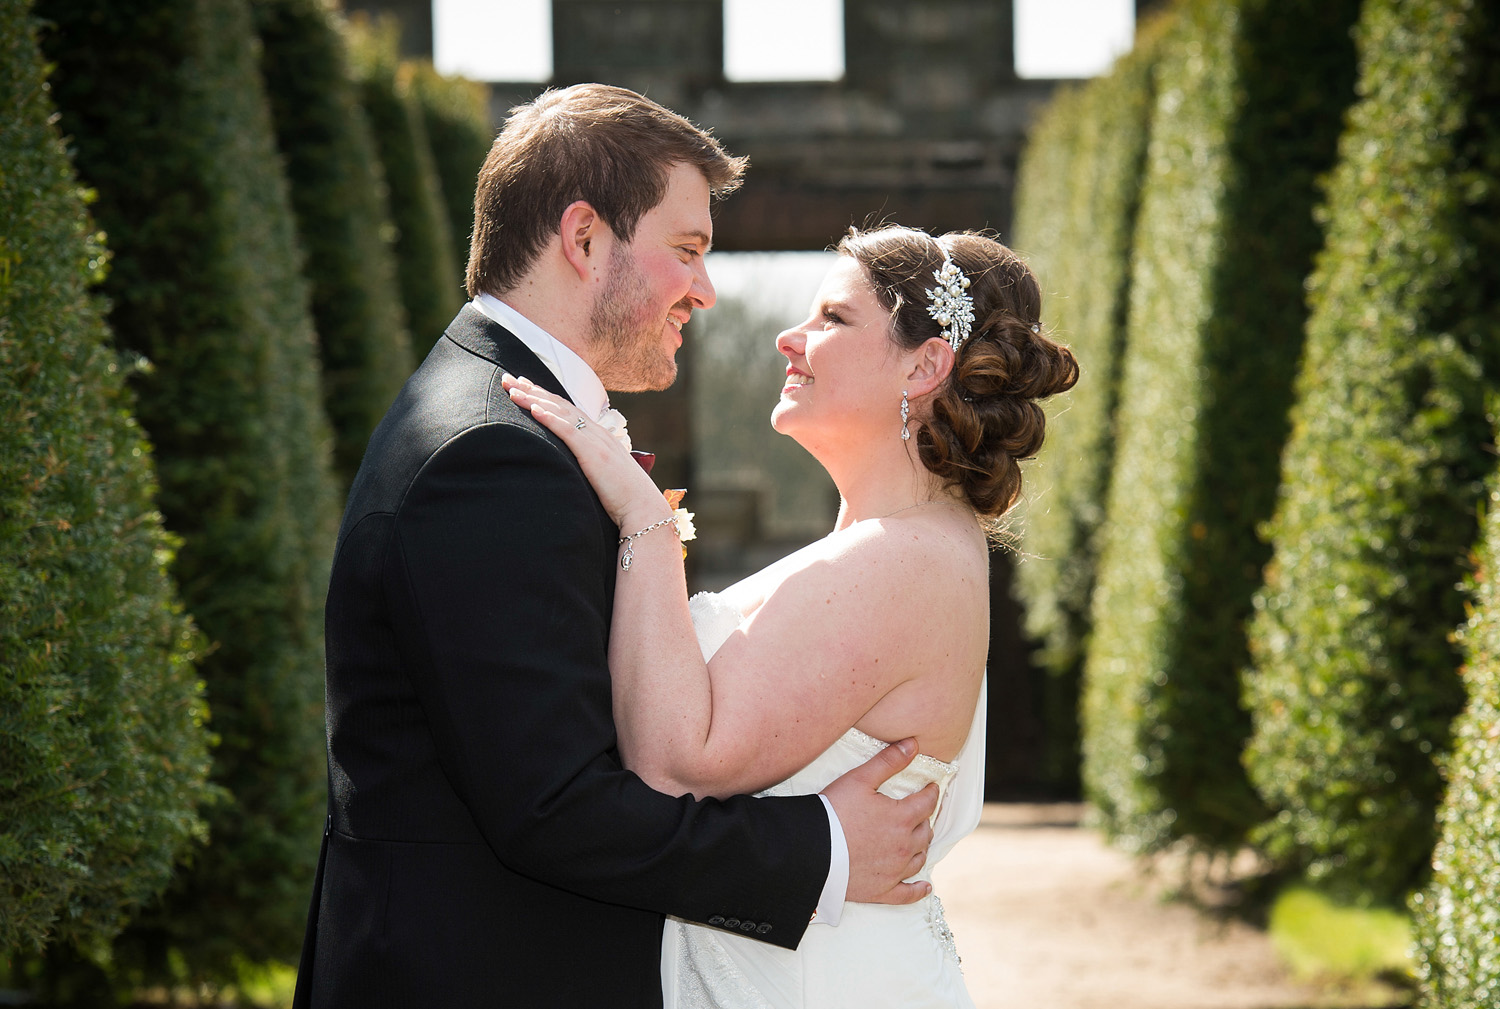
(709, 978)
(939, 923)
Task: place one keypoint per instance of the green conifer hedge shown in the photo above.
(103, 742)
(1353, 684)
(431, 281)
(1046, 234)
(1042, 518)
(1458, 917)
(456, 113)
(1077, 194)
(168, 119)
(1249, 97)
(338, 193)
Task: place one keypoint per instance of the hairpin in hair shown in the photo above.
(951, 306)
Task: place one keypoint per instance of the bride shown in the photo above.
(914, 383)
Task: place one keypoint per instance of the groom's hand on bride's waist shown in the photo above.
(888, 838)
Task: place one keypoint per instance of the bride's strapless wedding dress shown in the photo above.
(878, 955)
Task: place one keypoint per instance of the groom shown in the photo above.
(484, 845)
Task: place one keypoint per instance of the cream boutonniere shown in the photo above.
(681, 516)
(613, 421)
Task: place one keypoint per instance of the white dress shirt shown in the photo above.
(588, 394)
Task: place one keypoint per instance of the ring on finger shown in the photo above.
(582, 423)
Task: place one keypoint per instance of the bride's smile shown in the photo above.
(796, 379)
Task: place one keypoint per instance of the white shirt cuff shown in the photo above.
(831, 903)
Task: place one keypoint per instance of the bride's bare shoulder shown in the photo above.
(941, 537)
(942, 552)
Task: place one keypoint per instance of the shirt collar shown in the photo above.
(578, 379)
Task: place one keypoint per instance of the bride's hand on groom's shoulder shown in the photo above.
(622, 485)
(887, 838)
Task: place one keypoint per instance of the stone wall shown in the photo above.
(925, 128)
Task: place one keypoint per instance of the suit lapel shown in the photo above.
(477, 333)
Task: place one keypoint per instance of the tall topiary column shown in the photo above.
(1457, 918)
(1249, 99)
(338, 193)
(456, 114)
(168, 117)
(1044, 232)
(431, 282)
(1353, 683)
(1077, 195)
(103, 742)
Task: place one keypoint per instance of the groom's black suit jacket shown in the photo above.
(485, 847)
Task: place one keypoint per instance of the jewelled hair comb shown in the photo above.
(951, 305)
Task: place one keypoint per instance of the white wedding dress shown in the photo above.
(878, 955)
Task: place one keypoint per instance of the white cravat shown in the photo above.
(588, 394)
(578, 379)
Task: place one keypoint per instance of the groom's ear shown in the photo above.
(928, 366)
(580, 232)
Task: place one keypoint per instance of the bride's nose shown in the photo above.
(791, 342)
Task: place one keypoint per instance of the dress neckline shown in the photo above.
(874, 744)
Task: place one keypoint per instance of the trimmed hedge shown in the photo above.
(1077, 195)
(1043, 230)
(103, 746)
(169, 121)
(456, 113)
(1248, 110)
(1353, 685)
(1046, 234)
(431, 283)
(1457, 919)
(338, 195)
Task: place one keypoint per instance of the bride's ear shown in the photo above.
(928, 366)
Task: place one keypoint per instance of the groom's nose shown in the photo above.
(702, 293)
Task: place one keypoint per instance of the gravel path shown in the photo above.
(1047, 917)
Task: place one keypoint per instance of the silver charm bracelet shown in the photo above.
(629, 554)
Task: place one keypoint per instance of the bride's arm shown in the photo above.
(830, 642)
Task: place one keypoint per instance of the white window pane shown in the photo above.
(493, 40)
(1071, 38)
(783, 40)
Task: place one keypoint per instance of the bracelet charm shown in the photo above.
(629, 541)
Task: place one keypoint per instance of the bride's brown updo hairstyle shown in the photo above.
(984, 419)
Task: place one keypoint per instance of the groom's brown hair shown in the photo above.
(606, 145)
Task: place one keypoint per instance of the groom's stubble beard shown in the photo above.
(626, 334)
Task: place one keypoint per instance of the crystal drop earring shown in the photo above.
(905, 413)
